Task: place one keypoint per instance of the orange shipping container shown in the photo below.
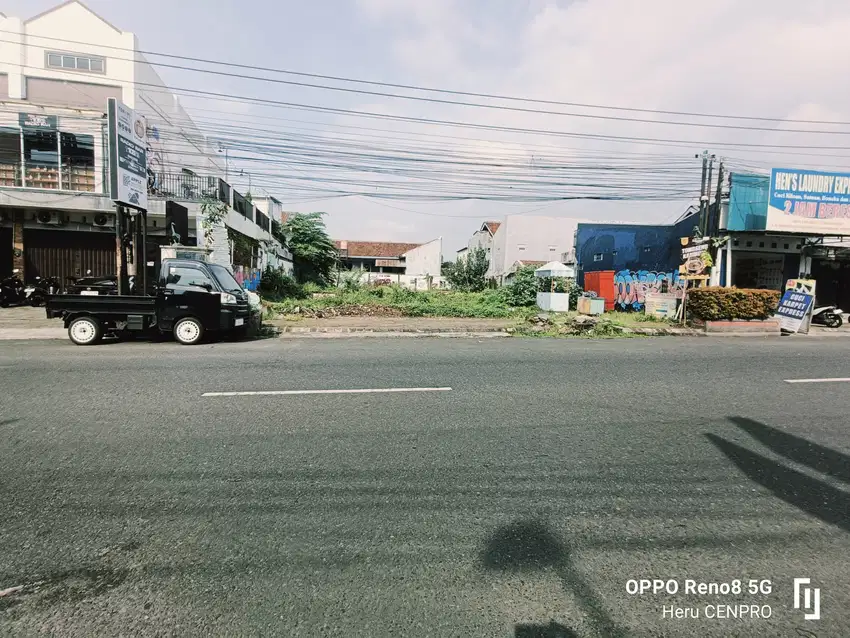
(602, 283)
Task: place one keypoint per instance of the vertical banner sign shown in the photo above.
(796, 305)
(128, 177)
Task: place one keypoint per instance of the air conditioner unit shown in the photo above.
(50, 218)
(104, 221)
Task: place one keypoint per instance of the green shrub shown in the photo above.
(276, 284)
(522, 291)
(715, 304)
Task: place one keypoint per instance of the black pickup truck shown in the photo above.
(192, 299)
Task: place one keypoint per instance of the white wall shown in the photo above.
(497, 252)
(481, 239)
(426, 259)
(270, 206)
(412, 282)
(527, 238)
(70, 22)
(180, 144)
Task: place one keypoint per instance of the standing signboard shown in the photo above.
(812, 202)
(796, 305)
(128, 179)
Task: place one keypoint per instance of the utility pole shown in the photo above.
(705, 189)
(714, 226)
(702, 197)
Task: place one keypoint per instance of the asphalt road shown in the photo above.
(524, 498)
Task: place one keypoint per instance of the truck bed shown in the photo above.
(57, 305)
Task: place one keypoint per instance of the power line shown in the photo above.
(496, 107)
(459, 124)
(425, 89)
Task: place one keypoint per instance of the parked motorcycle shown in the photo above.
(828, 316)
(12, 290)
(37, 293)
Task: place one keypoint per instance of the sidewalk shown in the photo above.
(31, 323)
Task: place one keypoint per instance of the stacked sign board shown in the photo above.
(128, 169)
(694, 264)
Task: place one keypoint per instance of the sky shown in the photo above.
(760, 58)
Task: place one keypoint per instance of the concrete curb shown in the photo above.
(396, 334)
(30, 334)
(355, 330)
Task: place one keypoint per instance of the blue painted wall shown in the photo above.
(632, 247)
(748, 202)
(644, 258)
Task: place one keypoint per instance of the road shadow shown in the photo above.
(552, 630)
(798, 449)
(530, 545)
(804, 492)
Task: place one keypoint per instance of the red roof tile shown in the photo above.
(388, 249)
(492, 226)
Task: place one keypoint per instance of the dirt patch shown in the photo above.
(349, 310)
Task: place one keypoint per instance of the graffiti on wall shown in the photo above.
(631, 286)
(248, 278)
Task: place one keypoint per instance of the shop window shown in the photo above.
(41, 156)
(10, 157)
(77, 162)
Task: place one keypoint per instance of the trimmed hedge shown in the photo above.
(715, 304)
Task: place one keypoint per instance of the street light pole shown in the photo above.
(223, 149)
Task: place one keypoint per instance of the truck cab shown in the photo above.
(190, 299)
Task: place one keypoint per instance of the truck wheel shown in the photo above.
(85, 331)
(188, 331)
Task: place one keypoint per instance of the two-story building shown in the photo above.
(57, 71)
(523, 240)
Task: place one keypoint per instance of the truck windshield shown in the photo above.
(225, 278)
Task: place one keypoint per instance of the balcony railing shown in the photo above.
(185, 186)
(71, 177)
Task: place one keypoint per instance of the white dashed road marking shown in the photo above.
(832, 380)
(292, 392)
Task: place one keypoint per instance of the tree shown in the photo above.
(522, 291)
(469, 273)
(313, 252)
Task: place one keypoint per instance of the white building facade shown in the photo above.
(523, 238)
(57, 71)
